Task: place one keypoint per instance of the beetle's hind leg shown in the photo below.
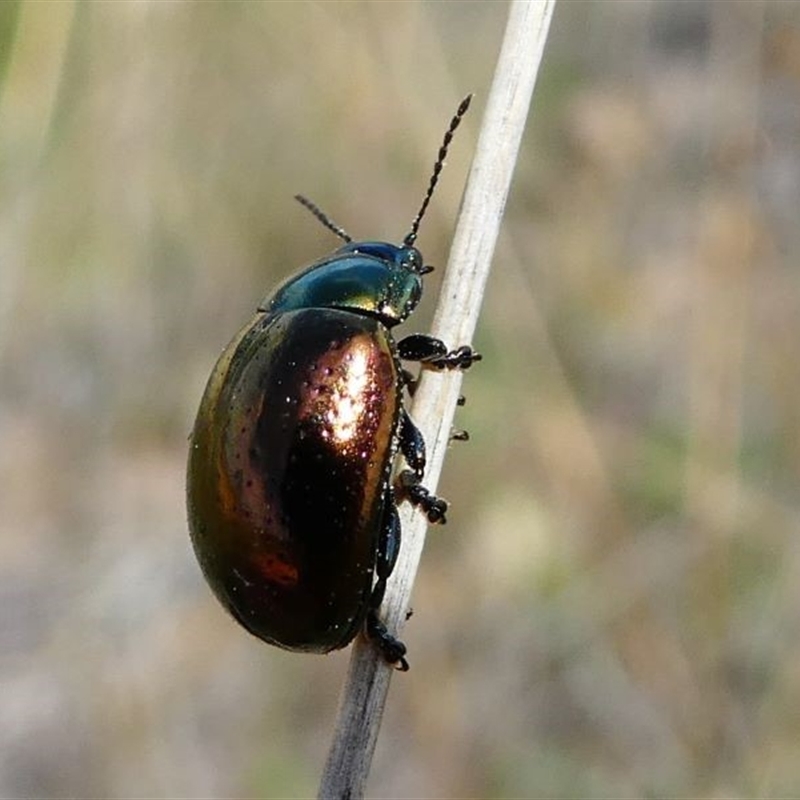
(391, 648)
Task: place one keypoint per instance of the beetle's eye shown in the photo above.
(413, 260)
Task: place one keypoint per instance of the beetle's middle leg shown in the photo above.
(412, 446)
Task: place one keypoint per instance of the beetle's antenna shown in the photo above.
(324, 218)
(437, 168)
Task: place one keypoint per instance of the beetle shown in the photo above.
(291, 499)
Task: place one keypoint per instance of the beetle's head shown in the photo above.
(375, 278)
(391, 276)
(378, 279)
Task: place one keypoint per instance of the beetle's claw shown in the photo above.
(437, 511)
(394, 652)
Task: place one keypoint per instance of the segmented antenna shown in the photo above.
(437, 168)
(324, 218)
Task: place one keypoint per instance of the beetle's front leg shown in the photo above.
(432, 352)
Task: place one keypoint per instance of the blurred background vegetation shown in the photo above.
(614, 608)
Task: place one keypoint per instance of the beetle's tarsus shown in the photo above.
(461, 358)
(435, 508)
(433, 353)
(391, 648)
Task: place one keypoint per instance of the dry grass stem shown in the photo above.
(367, 682)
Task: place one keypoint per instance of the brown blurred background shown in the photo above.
(614, 608)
